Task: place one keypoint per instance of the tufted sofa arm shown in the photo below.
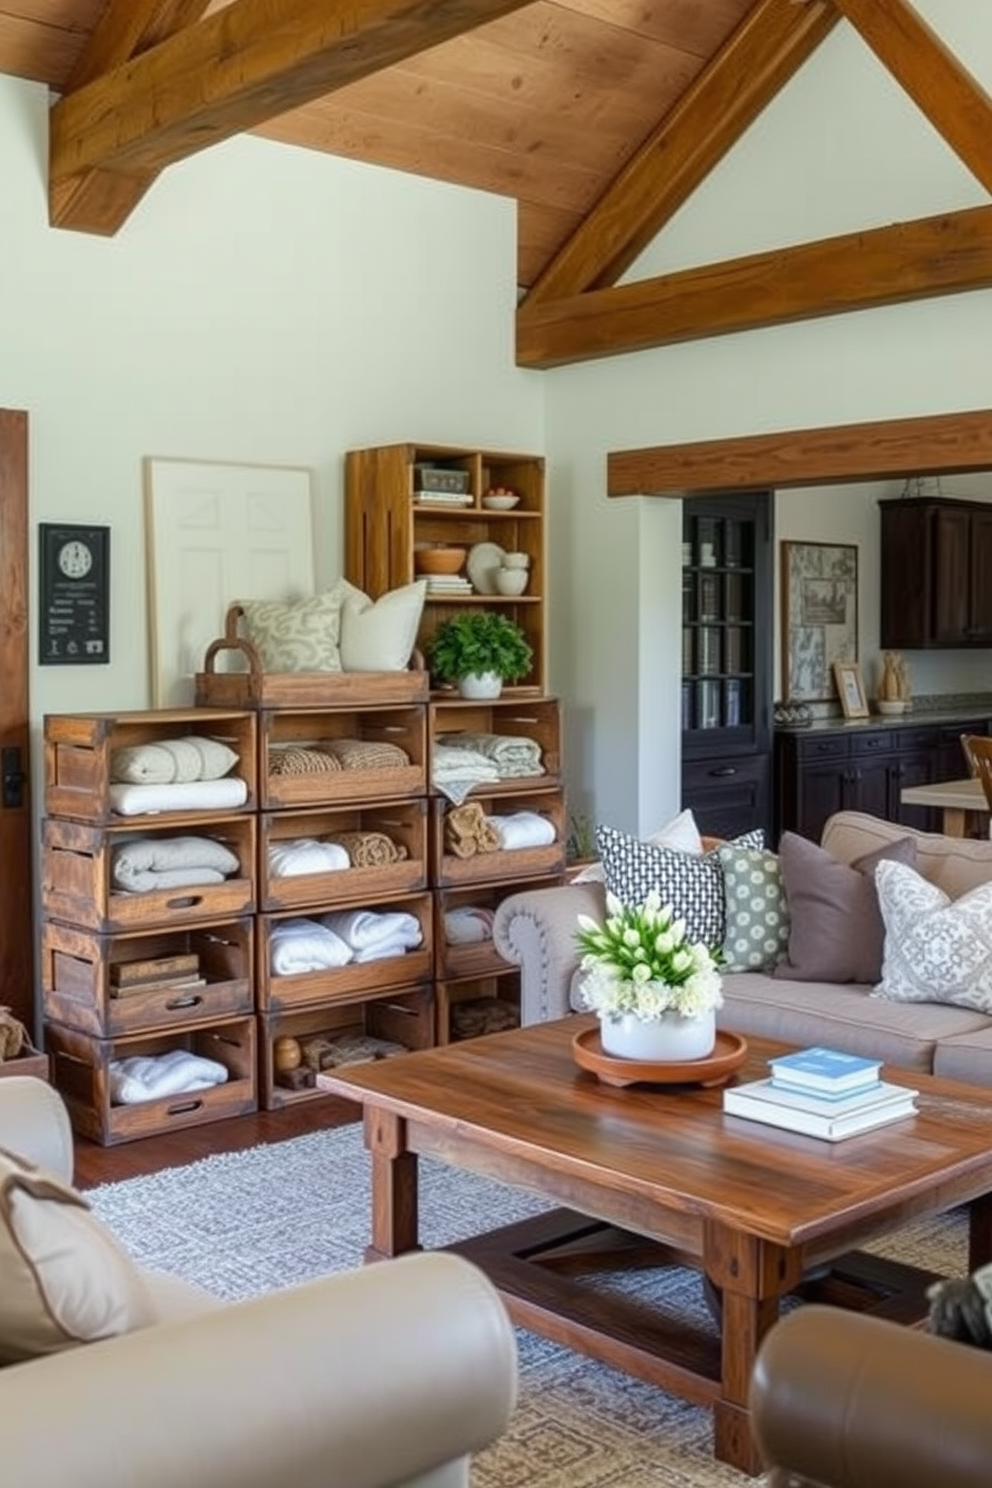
(843, 1400)
(535, 930)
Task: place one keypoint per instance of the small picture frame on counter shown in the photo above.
(851, 689)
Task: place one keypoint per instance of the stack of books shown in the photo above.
(448, 584)
(443, 498)
(822, 1093)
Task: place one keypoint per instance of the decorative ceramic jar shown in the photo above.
(657, 1040)
(481, 685)
(511, 581)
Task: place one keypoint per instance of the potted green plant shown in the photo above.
(479, 650)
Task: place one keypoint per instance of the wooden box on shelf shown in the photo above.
(506, 866)
(118, 985)
(281, 992)
(30, 1061)
(81, 1073)
(79, 748)
(405, 1017)
(404, 823)
(77, 877)
(471, 1009)
(455, 960)
(405, 728)
(536, 719)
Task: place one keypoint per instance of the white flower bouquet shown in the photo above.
(642, 962)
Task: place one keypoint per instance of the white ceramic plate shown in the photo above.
(481, 565)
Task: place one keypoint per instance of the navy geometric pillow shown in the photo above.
(692, 883)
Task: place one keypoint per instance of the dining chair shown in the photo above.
(969, 757)
(978, 752)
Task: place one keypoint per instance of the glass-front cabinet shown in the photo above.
(726, 661)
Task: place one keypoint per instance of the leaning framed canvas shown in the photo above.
(819, 616)
(851, 689)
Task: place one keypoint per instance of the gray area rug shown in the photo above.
(244, 1223)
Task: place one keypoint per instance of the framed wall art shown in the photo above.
(819, 617)
(74, 585)
(851, 689)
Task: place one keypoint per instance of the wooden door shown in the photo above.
(16, 837)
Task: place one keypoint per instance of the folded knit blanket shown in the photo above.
(523, 829)
(512, 754)
(368, 849)
(297, 760)
(306, 855)
(468, 925)
(300, 944)
(150, 1076)
(456, 772)
(172, 761)
(147, 863)
(367, 754)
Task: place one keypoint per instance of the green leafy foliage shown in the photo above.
(479, 641)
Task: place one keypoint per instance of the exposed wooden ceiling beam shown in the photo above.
(884, 266)
(101, 200)
(935, 80)
(235, 69)
(890, 449)
(769, 45)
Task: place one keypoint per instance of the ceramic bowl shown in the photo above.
(516, 560)
(511, 580)
(438, 560)
(501, 501)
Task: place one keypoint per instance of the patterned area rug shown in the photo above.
(244, 1223)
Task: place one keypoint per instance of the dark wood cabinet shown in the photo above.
(726, 662)
(936, 573)
(864, 769)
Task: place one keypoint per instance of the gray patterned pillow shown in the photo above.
(692, 883)
(937, 949)
(757, 913)
(300, 636)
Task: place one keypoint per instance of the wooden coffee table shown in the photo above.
(650, 1174)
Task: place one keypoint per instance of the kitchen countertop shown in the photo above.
(925, 715)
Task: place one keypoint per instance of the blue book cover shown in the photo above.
(825, 1067)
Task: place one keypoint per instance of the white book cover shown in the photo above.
(827, 1128)
(882, 1093)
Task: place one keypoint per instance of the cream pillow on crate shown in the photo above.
(379, 635)
(64, 1280)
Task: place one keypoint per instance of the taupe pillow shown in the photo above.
(836, 931)
(64, 1280)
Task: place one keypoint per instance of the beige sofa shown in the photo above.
(535, 929)
(386, 1377)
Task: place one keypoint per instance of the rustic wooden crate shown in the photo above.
(404, 822)
(404, 727)
(538, 719)
(447, 996)
(506, 867)
(76, 977)
(30, 1061)
(78, 749)
(356, 979)
(77, 884)
(403, 1017)
(454, 962)
(80, 1072)
(246, 685)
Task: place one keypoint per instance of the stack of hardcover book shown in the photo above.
(823, 1093)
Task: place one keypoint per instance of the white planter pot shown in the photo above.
(481, 685)
(668, 1038)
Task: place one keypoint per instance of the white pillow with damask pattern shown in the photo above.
(937, 949)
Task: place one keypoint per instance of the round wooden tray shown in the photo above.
(729, 1054)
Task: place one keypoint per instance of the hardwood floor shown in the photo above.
(96, 1164)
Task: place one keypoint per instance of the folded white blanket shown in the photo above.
(172, 761)
(456, 772)
(512, 754)
(299, 944)
(146, 863)
(196, 795)
(523, 829)
(306, 855)
(382, 950)
(150, 1076)
(365, 929)
(468, 925)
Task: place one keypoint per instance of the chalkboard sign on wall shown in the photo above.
(74, 580)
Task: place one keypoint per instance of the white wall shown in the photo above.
(840, 148)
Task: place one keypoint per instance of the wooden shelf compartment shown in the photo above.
(403, 822)
(404, 727)
(452, 996)
(504, 866)
(457, 961)
(284, 993)
(77, 884)
(77, 977)
(538, 719)
(405, 1017)
(80, 1072)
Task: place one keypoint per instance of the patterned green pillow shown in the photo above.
(757, 934)
(296, 636)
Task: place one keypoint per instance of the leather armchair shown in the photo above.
(386, 1377)
(845, 1400)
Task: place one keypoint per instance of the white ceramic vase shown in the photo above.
(481, 685)
(660, 1040)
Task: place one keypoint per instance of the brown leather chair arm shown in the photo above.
(843, 1400)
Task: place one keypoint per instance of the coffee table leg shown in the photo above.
(394, 1186)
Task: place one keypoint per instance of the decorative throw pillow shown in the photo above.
(296, 636)
(681, 834)
(836, 933)
(691, 883)
(757, 913)
(65, 1279)
(379, 635)
(937, 949)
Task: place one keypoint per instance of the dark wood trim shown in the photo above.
(946, 443)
